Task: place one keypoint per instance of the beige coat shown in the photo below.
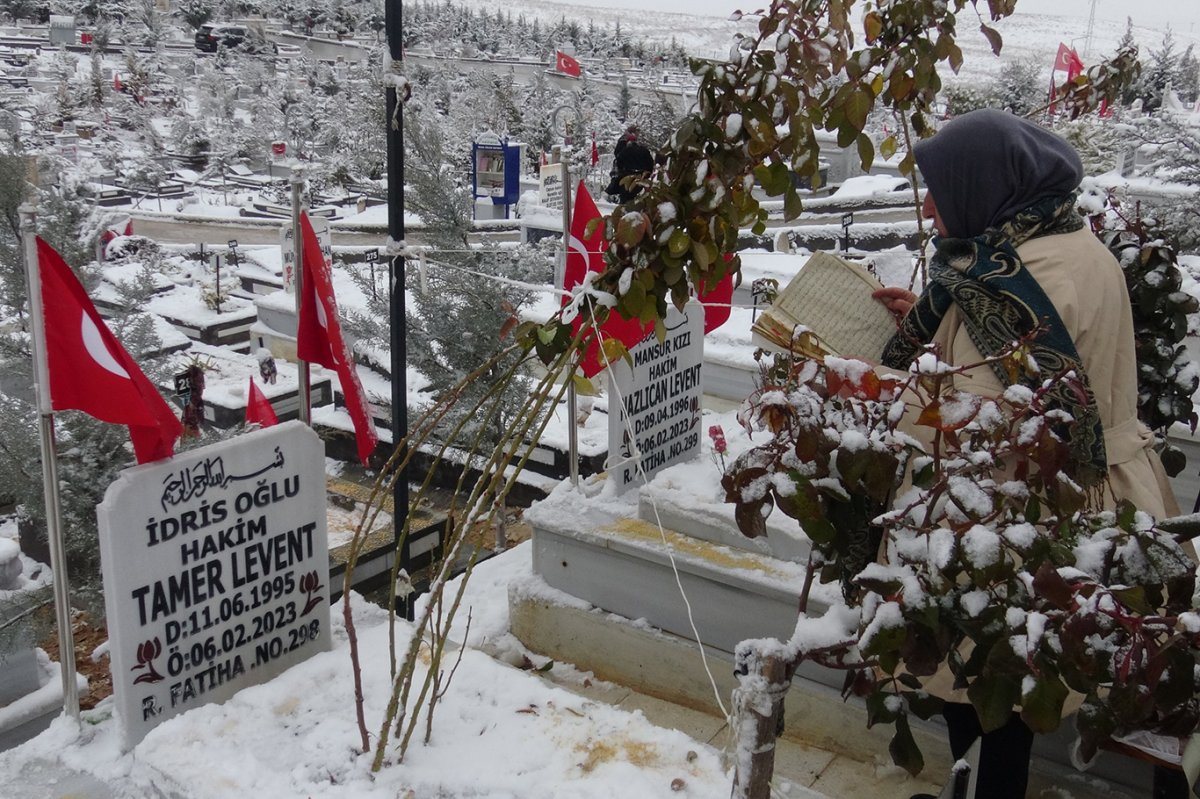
(1087, 287)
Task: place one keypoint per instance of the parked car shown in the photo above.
(211, 36)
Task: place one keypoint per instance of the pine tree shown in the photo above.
(1018, 88)
(623, 99)
(1187, 79)
(196, 12)
(454, 322)
(1124, 43)
(1164, 64)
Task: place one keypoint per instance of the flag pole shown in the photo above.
(303, 390)
(572, 400)
(58, 555)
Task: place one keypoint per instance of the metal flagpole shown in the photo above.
(572, 400)
(58, 555)
(397, 303)
(303, 390)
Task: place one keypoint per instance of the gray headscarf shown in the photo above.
(984, 166)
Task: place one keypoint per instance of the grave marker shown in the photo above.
(659, 400)
(216, 572)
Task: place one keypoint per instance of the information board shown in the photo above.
(659, 398)
(216, 572)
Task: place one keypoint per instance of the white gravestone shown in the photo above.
(320, 226)
(659, 401)
(216, 572)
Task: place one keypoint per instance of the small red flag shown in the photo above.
(1067, 61)
(258, 407)
(117, 87)
(111, 232)
(566, 65)
(89, 369)
(319, 338)
(586, 254)
(595, 150)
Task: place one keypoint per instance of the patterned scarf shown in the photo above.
(1000, 303)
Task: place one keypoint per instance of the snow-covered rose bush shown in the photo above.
(965, 550)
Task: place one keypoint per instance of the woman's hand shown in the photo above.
(897, 300)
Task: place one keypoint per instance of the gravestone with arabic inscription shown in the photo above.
(216, 572)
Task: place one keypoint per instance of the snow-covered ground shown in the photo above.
(499, 732)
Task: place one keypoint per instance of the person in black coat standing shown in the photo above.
(630, 157)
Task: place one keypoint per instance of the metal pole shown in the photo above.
(572, 400)
(394, 122)
(58, 554)
(298, 281)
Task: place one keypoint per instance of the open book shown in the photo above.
(831, 298)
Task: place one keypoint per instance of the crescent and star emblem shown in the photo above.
(93, 342)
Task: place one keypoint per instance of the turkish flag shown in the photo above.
(595, 150)
(258, 407)
(566, 65)
(586, 254)
(717, 303)
(1067, 61)
(89, 369)
(319, 337)
(117, 87)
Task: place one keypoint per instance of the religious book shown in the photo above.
(827, 308)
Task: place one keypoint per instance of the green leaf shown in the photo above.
(614, 350)
(866, 151)
(774, 177)
(994, 696)
(887, 147)
(878, 710)
(583, 386)
(888, 639)
(631, 229)
(1041, 707)
(678, 243)
(858, 105)
(924, 706)
(904, 750)
(1134, 598)
(792, 205)
(1184, 528)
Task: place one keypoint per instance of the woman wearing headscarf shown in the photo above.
(1011, 256)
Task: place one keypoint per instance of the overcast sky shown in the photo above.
(1182, 15)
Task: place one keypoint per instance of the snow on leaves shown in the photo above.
(992, 565)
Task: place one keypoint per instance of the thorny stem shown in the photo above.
(406, 447)
(494, 467)
(925, 234)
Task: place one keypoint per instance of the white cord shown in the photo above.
(637, 456)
